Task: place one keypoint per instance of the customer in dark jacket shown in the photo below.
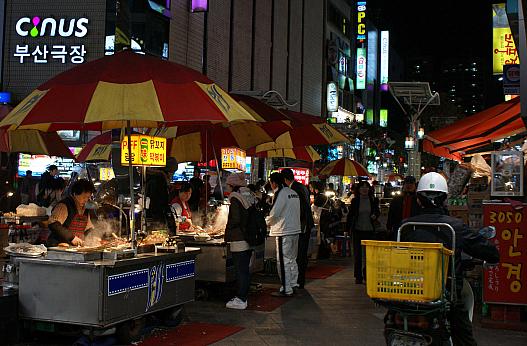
(362, 218)
(432, 193)
(402, 207)
(241, 198)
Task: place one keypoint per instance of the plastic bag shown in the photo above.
(480, 166)
(458, 179)
(30, 210)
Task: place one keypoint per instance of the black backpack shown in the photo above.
(255, 228)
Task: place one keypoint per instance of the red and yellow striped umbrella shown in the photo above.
(300, 153)
(344, 167)
(109, 92)
(31, 141)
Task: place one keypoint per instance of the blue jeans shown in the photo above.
(243, 276)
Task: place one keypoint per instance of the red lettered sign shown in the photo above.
(506, 283)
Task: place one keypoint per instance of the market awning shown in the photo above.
(477, 130)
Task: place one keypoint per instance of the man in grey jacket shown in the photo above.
(284, 220)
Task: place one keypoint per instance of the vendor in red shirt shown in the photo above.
(180, 206)
(402, 207)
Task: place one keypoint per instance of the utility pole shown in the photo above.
(416, 96)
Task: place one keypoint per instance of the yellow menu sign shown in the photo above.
(146, 150)
(233, 158)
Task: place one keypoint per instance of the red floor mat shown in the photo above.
(192, 334)
(264, 301)
(322, 271)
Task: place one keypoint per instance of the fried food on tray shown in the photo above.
(154, 238)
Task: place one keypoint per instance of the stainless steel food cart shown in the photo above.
(215, 261)
(102, 293)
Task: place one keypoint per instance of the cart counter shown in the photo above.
(105, 292)
(215, 262)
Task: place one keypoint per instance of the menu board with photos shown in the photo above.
(507, 173)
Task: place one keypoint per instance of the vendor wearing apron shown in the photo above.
(180, 206)
(69, 221)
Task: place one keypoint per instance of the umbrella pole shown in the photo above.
(131, 180)
(217, 169)
(207, 166)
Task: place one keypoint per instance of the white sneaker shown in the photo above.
(236, 303)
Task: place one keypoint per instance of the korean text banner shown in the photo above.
(233, 159)
(361, 69)
(504, 50)
(301, 174)
(146, 150)
(506, 283)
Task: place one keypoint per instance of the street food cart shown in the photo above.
(103, 292)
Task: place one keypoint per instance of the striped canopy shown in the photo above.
(108, 92)
(344, 167)
(31, 141)
(299, 153)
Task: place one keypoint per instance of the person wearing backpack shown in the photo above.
(241, 199)
(284, 220)
(306, 224)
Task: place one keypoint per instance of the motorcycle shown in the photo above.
(416, 323)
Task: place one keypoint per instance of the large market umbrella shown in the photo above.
(306, 130)
(124, 90)
(344, 167)
(31, 141)
(299, 153)
(34, 142)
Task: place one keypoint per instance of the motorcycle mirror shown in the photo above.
(488, 232)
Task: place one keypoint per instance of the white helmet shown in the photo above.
(432, 182)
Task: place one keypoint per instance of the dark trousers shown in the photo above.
(358, 268)
(243, 275)
(301, 258)
(461, 326)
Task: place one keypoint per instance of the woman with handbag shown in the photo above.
(363, 216)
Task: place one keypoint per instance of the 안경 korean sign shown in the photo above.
(506, 282)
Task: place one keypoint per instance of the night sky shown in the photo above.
(442, 28)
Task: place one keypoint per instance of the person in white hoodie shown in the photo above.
(284, 220)
(241, 198)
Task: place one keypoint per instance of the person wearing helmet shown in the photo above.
(432, 192)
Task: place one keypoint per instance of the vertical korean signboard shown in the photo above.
(361, 21)
(504, 50)
(385, 59)
(506, 283)
(361, 68)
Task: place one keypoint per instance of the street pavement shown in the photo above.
(332, 311)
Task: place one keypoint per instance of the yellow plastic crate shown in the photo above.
(405, 271)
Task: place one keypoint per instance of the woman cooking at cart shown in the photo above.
(69, 221)
(181, 208)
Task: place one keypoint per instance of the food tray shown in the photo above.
(73, 256)
(146, 248)
(10, 250)
(119, 254)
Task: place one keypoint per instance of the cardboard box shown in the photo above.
(460, 214)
